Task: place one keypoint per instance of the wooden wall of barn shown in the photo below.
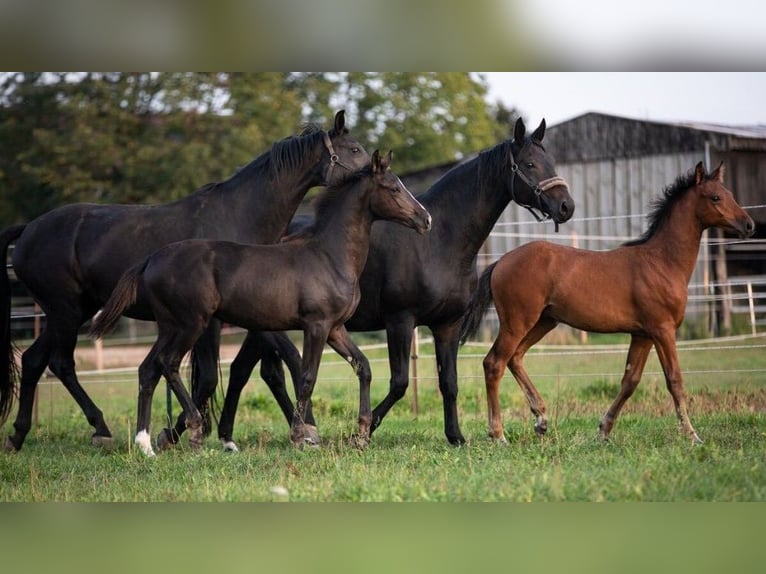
(612, 198)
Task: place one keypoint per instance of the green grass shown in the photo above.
(646, 459)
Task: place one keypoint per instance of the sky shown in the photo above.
(731, 98)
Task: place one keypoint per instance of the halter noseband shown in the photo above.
(537, 188)
(334, 159)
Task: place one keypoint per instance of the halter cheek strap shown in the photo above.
(334, 159)
(537, 188)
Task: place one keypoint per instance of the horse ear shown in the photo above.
(386, 161)
(719, 172)
(699, 173)
(375, 162)
(340, 122)
(539, 133)
(519, 131)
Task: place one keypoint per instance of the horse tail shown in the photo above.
(477, 305)
(9, 370)
(123, 296)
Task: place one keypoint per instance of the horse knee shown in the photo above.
(398, 386)
(493, 369)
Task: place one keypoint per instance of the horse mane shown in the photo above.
(494, 162)
(661, 207)
(289, 153)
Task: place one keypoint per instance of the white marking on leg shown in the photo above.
(229, 446)
(144, 442)
(627, 367)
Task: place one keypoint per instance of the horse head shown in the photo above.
(716, 206)
(391, 200)
(532, 167)
(343, 152)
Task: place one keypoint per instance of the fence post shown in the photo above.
(36, 310)
(751, 304)
(414, 349)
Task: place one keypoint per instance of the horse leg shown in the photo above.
(446, 342)
(204, 380)
(314, 339)
(665, 344)
(516, 366)
(33, 363)
(271, 370)
(149, 373)
(494, 365)
(62, 365)
(193, 418)
(638, 353)
(247, 357)
(341, 342)
(399, 338)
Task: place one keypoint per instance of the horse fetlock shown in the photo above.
(304, 435)
(144, 443)
(196, 437)
(166, 439)
(229, 446)
(359, 441)
(8, 445)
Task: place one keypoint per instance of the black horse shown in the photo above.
(310, 282)
(411, 280)
(71, 258)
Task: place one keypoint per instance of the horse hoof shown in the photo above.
(696, 440)
(229, 446)
(359, 442)
(8, 445)
(164, 440)
(311, 434)
(541, 428)
(101, 441)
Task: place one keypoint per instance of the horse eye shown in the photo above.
(530, 165)
(716, 198)
(354, 150)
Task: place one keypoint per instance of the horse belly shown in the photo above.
(599, 313)
(261, 306)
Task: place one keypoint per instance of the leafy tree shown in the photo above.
(155, 137)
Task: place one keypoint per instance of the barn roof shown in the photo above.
(596, 136)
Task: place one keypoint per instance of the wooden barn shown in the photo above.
(615, 166)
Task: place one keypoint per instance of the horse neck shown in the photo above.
(465, 204)
(679, 237)
(343, 233)
(263, 196)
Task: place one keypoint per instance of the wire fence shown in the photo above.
(745, 296)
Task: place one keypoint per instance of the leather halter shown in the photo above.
(537, 188)
(334, 159)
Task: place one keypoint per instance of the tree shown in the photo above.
(155, 137)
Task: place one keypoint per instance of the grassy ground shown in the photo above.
(647, 458)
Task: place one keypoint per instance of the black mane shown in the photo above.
(662, 206)
(289, 153)
(494, 162)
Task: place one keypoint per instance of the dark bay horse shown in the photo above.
(71, 258)
(639, 288)
(310, 282)
(412, 280)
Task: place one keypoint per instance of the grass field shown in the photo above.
(646, 459)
